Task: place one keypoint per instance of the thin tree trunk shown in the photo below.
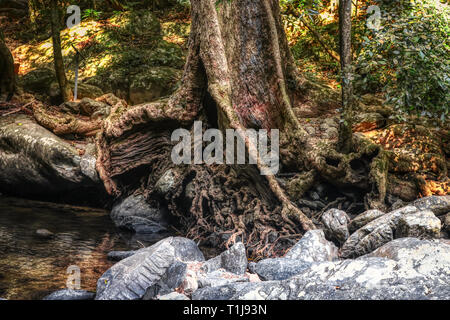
(7, 75)
(345, 47)
(64, 85)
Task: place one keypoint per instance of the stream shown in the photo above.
(32, 267)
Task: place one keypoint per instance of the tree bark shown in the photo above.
(7, 75)
(239, 74)
(64, 85)
(345, 47)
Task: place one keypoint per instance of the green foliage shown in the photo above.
(91, 14)
(409, 57)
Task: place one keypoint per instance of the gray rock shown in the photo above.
(130, 278)
(427, 257)
(279, 268)
(447, 223)
(44, 234)
(233, 260)
(135, 214)
(374, 234)
(69, 294)
(87, 166)
(336, 225)
(218, 278)
(313, 247)
(120, 255)
(173, 296)
(364, 218)
(438, 204)
(422, 224)
(402, 269)
(165, 182)
(36, 162)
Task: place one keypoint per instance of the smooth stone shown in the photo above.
(44, 234)
(135, 214)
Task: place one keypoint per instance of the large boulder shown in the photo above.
(438, 204)
(430, 257)
(34, 161)
(313, 247)
(421, 224)
(135, 214)
(402, 269)
(130, 278)
(374, 234)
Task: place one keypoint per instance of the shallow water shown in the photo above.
(31, 267)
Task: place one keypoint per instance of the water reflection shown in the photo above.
(31, 267)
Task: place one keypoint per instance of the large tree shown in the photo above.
(7, 74)
(239, 74)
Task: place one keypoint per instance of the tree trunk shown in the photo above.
(239, 74)
(64, 85)
(7, 75)
(345, 47)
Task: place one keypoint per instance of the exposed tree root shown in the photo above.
(240, 60)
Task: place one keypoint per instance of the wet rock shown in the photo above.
(363, 219)
(120, 255)
(438, 204)
(233, 260)
(130, 278)
(35, 162)
(336, 225)
(173, 296)
(69, 294)
(135, 214)
(422, 224)
(278, 268)
(44, 234)
(313, 247)
(374, 234)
